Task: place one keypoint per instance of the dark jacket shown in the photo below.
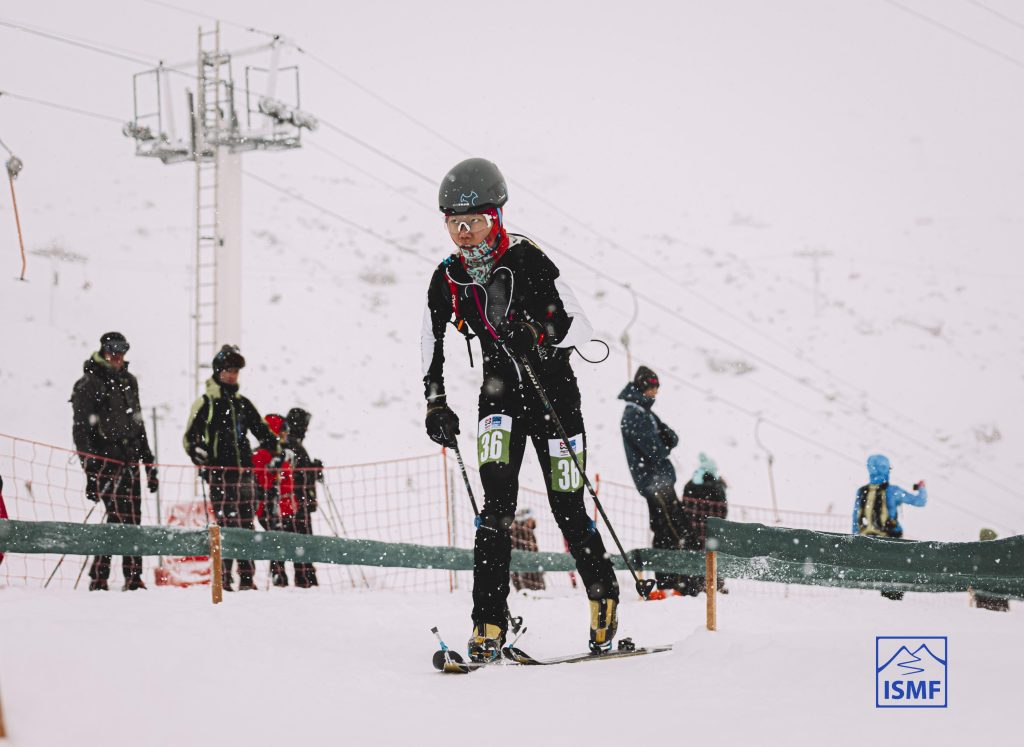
(647, 442)
(523, 286)
(707, 497)
(304, 475)
(220, 422)
(108, 418)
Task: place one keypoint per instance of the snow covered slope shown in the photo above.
(817, 206)
(167, 668)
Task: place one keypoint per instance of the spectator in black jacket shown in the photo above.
(648, 442)
(306, 473)
(110, 437)
(216, 439)
(703, 497)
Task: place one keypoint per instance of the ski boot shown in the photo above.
(604, 621)
(486, 642)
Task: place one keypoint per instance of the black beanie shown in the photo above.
(645, 378)
(114, 342)
(228, 357)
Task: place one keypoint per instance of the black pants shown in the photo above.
(302, 523)
(233, 497)
(668, 523)
(121, 494)
(509, 416)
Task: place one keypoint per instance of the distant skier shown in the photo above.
(876, 508)
(524, 537)
(648, 443)
(110, 437)
(306, 473)
(979, 598)
(704, 496)
(216, 438)
(503, 289)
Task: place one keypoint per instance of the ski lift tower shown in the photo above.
(215, 139)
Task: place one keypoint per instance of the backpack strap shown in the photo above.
(459, 322)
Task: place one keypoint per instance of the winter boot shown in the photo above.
(245, 583)
(486, 642)
(280, 578)
(133, 583)
(604, 621)
(98, 584)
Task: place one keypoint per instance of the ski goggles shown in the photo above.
(471, 222)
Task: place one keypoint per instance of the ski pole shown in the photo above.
(643, 587)
(59, 562)
(469, 488)
(341, 524)
(514, 622)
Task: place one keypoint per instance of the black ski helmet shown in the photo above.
(470, 185)
(298, 421)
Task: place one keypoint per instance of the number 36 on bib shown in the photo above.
(493, 437)
(565, 477)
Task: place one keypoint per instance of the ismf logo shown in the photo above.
(563, 451)
(496, 421)
(911, 672)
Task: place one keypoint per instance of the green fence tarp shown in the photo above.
(754, 551)
(801, 556)
(119, 539)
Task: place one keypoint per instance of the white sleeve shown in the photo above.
(580, 329)
(426, 340)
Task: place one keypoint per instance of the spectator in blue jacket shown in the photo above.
(648, 442)
(876, 508)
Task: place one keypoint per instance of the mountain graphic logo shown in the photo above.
(911, 672)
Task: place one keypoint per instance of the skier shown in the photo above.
(524, 537)
(980, 599)
(648, 442)
(216, 439)
(876, 507)
(306, 472)
(703, 497)
(110, 437)
(501, 288)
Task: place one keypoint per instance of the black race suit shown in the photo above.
(523, 286)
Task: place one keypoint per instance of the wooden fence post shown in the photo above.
(711, 586)
(216, 568)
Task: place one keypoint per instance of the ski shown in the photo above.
(626, 648)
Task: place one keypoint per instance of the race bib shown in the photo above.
(565, 477)
(493, 439)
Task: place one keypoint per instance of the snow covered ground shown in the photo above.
(168, 668)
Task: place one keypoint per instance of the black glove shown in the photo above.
(199, 455)
(91, 488)
(918, 485)
(318, 475)
(520, 337)
(667, 436)
(152, 481)
(442, 425)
